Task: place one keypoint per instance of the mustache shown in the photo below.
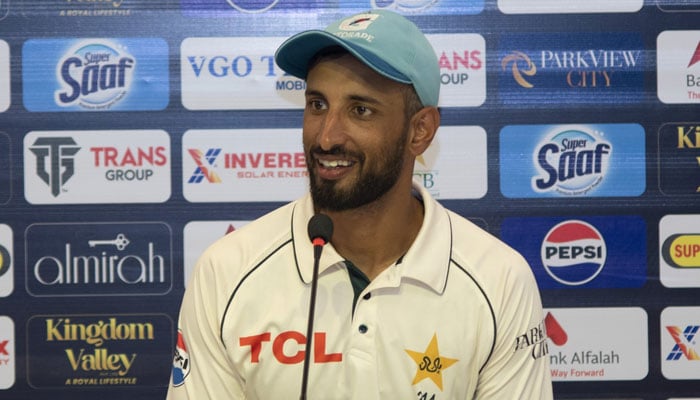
(337, 150)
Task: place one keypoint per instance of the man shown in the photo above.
(413, 302)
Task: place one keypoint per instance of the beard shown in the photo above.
(369, 186)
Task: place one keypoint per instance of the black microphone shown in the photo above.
(320, 231)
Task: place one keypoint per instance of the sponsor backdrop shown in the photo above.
(134, 133)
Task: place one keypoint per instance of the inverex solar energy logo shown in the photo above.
(581, 252)
(680, 349)
(678, 67)
(560, 70)
(66, 167)
(6, 261)
(7, 352)
(243, 165)
(593, 160)
(679, 159)
(95, 74)
(98, 259)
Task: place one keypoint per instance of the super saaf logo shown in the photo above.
(95, 74)
(583, 252)
(593, 160)
(98, 351)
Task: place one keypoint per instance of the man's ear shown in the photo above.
(424, 125)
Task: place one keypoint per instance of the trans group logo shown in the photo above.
(83, 167)
(595, 160)
(462, 60)
(571, 69)
(98, 259)
(583, 252)
(95, 74)
(678, 67)
(680, 352)
(679, 159)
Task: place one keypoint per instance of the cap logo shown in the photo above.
(358, 22)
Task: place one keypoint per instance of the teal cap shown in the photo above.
(385, 41)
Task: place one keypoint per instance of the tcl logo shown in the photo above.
(281, 342)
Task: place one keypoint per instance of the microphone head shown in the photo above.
(320, 226)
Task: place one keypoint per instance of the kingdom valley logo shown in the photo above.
(132, 350)
(679, 159)
(98, 259)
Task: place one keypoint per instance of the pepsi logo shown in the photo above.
(573, 252)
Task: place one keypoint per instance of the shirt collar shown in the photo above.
(427, 259)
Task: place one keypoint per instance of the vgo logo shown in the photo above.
(573, 252)
(571, 162)
(94, 75)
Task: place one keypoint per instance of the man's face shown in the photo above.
(355, 134)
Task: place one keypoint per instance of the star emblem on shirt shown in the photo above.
(430, 364)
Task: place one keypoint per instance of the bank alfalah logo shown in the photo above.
(55, 161)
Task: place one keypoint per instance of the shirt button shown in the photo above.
(367, 296)
(362, 328)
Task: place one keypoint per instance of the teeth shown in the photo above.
(334, 163)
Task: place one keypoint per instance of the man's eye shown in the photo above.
(316, 105)
(363, 111)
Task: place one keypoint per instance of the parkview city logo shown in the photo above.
(84, 167)
(95, 74)
(593, 68)
(679, 159)
(7, 352)
(580, 353)
(98, 259)
(6, 261)
(584, 252)
(99, 351)
(678, 67)
(568, 6)
(593, 160)
(680, 353)
(679, 250)
(243, 165)
(239, 73)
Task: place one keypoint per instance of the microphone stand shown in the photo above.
(318, 248)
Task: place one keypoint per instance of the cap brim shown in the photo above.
(294, 54)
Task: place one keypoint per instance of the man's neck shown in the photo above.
(374, 237)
